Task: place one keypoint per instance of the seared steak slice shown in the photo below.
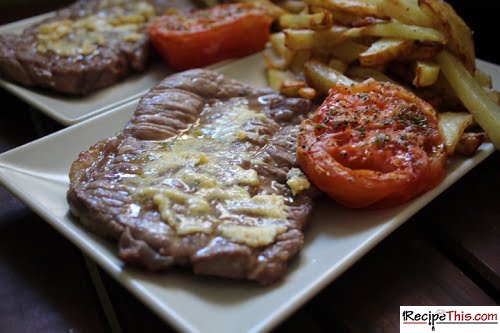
(202, 175)
(86, 46)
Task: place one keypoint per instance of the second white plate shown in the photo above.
(69, 110)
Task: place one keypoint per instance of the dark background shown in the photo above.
(481, 15)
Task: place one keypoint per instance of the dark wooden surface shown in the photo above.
(448, 254)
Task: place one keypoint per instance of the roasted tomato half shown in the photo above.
(203, 37)
(372, 145)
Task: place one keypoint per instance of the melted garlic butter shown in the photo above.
(297, 181)
(82, 37)
(198, 186)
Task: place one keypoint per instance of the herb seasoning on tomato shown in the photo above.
(203, 37)
(372, 145)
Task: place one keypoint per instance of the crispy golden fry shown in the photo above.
(274, 60)
(469, 143)
(276, 77)
(485, 111)
(285, 82)
(384, 51)
(483, 79)
(322, 77)
(492, 94)
(273, 10)
(352, 20)
(292, 88)
(305, 21)
(452, 126)
(293, 6)
(356, 7)
(405, 11)
(338, 65)
(348, 51)
(426, 73)
(278, 43)
(308, 93)
(398, 30)
(298, 61)
(279, 56)
(459, 35)
(307, 39)
(363, 73)
(422, 51)
(300, 39)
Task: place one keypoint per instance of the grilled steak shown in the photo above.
(86, 46)
(204, 174)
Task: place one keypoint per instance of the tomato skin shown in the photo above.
(204, 37)
(372, 145)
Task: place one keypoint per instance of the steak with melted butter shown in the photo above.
(86, 46)
(204, 174)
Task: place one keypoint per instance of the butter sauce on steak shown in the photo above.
(204, 174)
(86, 46)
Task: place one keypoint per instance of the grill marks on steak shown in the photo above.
(23, 63)
(102, 196)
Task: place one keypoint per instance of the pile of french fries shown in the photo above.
(420, 44)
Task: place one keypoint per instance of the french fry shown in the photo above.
(469, 143)
(352, 20)
(452, 126)
(384, 51)
(292, 88)
(278, 43)
(298, 61)
(422, 51)
(276, 77)
(273, 10)
(492, 94)
(364, 73)
(322, 77)
(305, 21)
(338, 65)
(356, 7)
(485, 111)
(285, 82)
(308, 93)
(293, 6)
(348, 51)
(307, 39)
(458, 34)
(279, 56)
(405, 11)
(483, 79)
(426, 73)
(273, 60)
(398, 30)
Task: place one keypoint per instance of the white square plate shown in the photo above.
(336, 238)
(69, 110)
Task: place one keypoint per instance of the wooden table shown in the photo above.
(447, 254)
